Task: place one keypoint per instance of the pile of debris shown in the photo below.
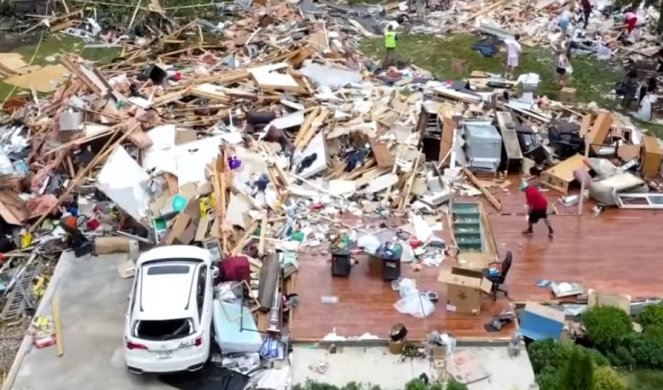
(275, 139)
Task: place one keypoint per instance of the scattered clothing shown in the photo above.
(486, 47)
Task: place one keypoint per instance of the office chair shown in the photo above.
(498, 279)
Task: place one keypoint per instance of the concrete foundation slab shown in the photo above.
(375, 366)
(93, 303)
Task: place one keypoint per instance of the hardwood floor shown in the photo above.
(618, 251)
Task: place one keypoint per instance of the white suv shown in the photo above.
(168, 322)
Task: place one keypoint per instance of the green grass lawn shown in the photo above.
(593, 79)
(49, 52)
(644, 380)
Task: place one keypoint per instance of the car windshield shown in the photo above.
(164, 329)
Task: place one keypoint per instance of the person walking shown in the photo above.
(586, 11)
(628, 89)
(564, 20)
(513, 50)
(390, 39)
(562, 69)
(537, 208)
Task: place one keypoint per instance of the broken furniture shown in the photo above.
(513, 156)
(341, 263)
(565, 139)
(538, 322)
(651, 157)
(483, 146)
(560, 176)
(436, 131)
(497, 274)
(530, 145)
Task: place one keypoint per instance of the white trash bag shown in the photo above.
(413, 302)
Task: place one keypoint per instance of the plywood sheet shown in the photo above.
(42, 80)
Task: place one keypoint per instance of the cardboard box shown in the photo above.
(464, 289)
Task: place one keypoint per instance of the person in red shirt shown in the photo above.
(537, 206)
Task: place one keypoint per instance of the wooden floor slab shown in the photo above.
(618, 251)
(366, 304)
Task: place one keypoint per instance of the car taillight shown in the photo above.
(132, 345)
(199, 341)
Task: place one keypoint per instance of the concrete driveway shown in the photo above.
(93, 301)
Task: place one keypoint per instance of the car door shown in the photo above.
(206, 304)
(132, 303)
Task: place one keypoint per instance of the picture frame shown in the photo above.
(214, 247)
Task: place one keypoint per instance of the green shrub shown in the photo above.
(598, 358)
(605, 378)
(655, 333)
(637, 351)
(578, 372)
(606, 326)
(651, 315)
(548, 379)
(551, 354)
(456, 386)
(418, 384)
(314, 385)
(548, 354)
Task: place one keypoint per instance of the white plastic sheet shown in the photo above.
(412, 302)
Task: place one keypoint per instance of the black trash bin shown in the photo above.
(391, 268)
(341, 263)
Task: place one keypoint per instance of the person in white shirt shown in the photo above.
(562, 70)
(513, 50)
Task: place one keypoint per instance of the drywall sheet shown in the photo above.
(123, 181)
(186, 161)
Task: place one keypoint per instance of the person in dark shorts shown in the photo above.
(562, 69)
(537, 206)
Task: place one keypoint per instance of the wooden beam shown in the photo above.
(493, 201)
(263, 235)
(59, 339)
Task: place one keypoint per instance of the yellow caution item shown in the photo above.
(26, 239)
(390, 39)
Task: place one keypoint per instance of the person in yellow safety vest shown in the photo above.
(390, 39)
